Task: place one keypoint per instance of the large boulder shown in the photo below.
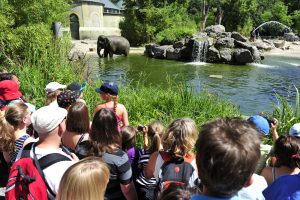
(213, 55)
(291, 37)
(178, 44)
(279, 43)
(173, 54)
(253, 49)
(149, 49)
(224, 43)
(262, 45)
(242, 56)
(215, 29)
(237, 36)
(160, 51)
(225, 55)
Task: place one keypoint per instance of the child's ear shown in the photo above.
(249, 181)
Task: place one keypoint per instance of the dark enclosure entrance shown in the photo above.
(74, 26)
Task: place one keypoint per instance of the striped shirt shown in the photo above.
(18, 145)
(143, 161)
(120, 173)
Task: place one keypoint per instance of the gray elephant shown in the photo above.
(112, 45)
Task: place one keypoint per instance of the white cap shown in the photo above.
(47, 118)
(53, 86)
(295, 130)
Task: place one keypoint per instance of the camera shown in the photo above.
(270, 121)
(140, 127)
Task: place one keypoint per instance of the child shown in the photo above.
(109, 93)
(129, 146)
(227, 153)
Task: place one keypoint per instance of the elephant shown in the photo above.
(112, 45)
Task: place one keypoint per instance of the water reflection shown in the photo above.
(251, 87)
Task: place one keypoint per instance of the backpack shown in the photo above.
(176, 171)
(26, 178)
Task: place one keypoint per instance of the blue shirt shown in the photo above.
(203, 197)
(284, 188)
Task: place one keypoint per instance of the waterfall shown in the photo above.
(199, 51)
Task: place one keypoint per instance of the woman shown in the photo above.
(77, 126)
(53, 89)
(86, 179)
(109, 93)
(286, 151)
(13, 134)
(105, 142)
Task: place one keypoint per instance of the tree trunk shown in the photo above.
(220, 16)
(205, 11)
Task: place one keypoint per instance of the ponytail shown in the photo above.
(155, 131)
(7, 136)
(115, 100)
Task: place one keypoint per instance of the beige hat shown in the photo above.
(53, 86)
(47, 118)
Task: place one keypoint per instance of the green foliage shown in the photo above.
(296, 20)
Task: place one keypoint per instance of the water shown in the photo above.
(251, 87)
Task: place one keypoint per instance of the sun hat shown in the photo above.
(295, 130)
(53, 86)
(9, 90)
(261, 123)
(76, 86)
(47, 118)
(67, 98)
(108, 87)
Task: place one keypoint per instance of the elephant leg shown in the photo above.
(111, 54)
(105, 53)
(98, 52)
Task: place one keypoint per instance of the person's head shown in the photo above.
(9, 76)
(128, 137)
(52, 90)
(287, 151)
(228, 150)
(177, 192)
(86, 179)
(155, 132)
(260, 123)
(66, 98)
(180, 136)
(295, 130)
(109, 92)
(9, 90)
(48, 121)
(104, 132)
(78, 118)
(16, 116)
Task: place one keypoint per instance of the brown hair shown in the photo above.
(128, 137)
(11, 119)
(180, 136)
(228, 150)
(287, 151)
(155, 132)
(50, 97)
(104, 132)
(78, 118)
(86, 179)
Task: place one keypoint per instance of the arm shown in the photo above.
(129, 191)
(274, 130)
(98, 107)
(125, 117)
(150, 168)
(145, 136)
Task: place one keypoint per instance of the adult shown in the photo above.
(9, 93)
(9, 76)
(109, 93)
(285, 149)
(49, 123)
(227, 153)
(295, 130)
(13, 134)
(86, 179)
(53, 89)
(66, 98)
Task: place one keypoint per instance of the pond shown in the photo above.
(251, 87)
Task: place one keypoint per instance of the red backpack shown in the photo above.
(26, 178)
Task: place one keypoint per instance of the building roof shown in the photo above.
(120, 4)
(107, 3)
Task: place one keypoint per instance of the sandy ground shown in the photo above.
(291, 50)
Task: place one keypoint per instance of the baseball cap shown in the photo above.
(53, 86)
(9, 90)
(261, 123)
(47, 118)
(108, 87)
(295, 130)
(76, 86)
(67, 98)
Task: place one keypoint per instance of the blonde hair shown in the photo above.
(115, 100)
(180, 137)
(155, 132)
(86, 179)
(50, 97)
(9, 121)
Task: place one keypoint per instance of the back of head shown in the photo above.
(261, 124)
(6, 76)
(177, 192)
(180, 136)
(67, 98)
(104, 131)
(86, 179)
(295, 130)
(128, 137)
(287, 151)
(227, 153)
(78, 118)
(9, 90)
(155, 132)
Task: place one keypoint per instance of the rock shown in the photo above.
(213, 55)
(296, 43)
(224, 43)
(160, 51)
(210, 41)
(237, 36)
(253, 49)
(215, 29)
(291, 37)
(279, 43)
(76, 54)
(215, 76)
(263, 46)
(178, 44)
(149, 49)
(224, 34)
(212, 34)
(242, 56)
(173, 54)
(225, 55)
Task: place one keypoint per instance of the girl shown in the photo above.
(109, 93)
(13, 134)
(53, 89)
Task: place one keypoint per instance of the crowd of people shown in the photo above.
(226, 159)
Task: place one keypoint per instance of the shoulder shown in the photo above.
(117, 157)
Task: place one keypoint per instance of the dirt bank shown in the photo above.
(289, 50)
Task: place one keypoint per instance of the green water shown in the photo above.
(250, 87)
